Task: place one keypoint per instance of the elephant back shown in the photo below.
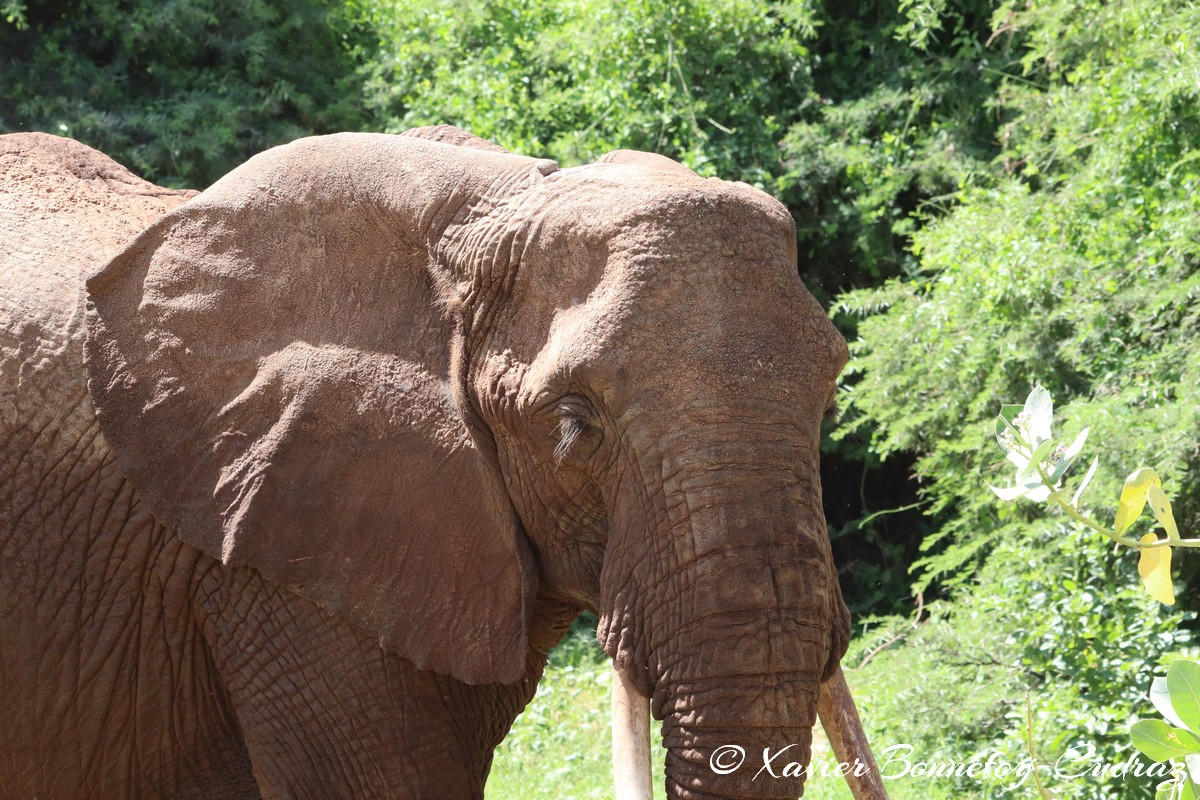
(65, 209)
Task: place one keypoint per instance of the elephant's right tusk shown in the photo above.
(844, 730)
(631, 740)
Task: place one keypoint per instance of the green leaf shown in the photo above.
(1161, 698)
(1178, 789)
(1087, 478)
(1005, 424)
(1159, 741)
(1133, 498)
(1154, 567)
(1029, 473)
(1161, 508)
(1183, 685)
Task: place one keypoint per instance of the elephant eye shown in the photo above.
(831, 405)
(570, 428)
(575, 425)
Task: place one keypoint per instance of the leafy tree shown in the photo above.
(180, 92)
(710, 82)
(1072, 259)
(898, 118)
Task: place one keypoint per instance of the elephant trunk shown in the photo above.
(741, 635)
(738, 698)
(726, 756)
(836, 709)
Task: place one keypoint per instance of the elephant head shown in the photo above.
(422, 381)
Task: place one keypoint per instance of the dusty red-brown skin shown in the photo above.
(369, 422)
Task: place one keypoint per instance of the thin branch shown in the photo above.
(1037, 779)
(916, 623)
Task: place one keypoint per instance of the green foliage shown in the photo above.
(888, 129)
(180, 92)
(14, 13)
(560, 746)
(1070, 264)
(1177, 697)
(707, 81)
(1024, 434)
(1053, 618)
(1072, 260)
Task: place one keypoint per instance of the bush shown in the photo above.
(710, 82)
(1080, 272)
(1071, 260)
(1043, 619)
(179, 92)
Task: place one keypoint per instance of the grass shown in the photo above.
(560, 747)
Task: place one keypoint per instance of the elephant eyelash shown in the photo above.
(570, 428)
(832, 413)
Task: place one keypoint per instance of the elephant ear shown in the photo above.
(278, 368)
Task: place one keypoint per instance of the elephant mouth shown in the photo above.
(835, 708)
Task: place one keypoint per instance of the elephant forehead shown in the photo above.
(606, 198)
(674, 276)
(728, 289)
(647, 335)
(731, 347)
(709, 239)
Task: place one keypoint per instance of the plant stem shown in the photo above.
(1037, 779)
(1072, 512)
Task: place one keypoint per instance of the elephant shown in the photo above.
(302, 477)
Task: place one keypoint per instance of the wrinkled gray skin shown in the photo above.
(356, 433)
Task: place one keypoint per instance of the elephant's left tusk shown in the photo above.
(844, 730)
(631, 740)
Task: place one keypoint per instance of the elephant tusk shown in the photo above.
(844, 730)
(631, 740)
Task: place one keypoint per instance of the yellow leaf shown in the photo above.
(1155, 568)
(1161, 507)
(1133, 498)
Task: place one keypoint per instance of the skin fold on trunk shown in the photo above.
(738, 674)
(839, 718)
(737, 643)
